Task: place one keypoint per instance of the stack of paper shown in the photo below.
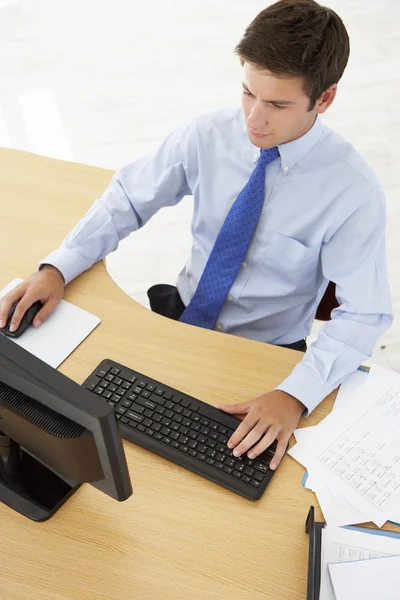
(353, 455)
(359, 563)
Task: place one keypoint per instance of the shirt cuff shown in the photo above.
(68, 262)
(305, 387)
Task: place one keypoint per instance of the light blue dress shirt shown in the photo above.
(323, 219)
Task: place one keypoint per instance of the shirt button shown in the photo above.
(230, 298)
(286, 168)
(244, 263)
(219, 326)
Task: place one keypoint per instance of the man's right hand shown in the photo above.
(46, 285)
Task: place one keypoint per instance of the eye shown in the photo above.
(246, 93)
(279, 107)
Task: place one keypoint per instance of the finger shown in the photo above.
(236, 409)
(7, 302)
(264, 443)
(251, 438)
(242, 430)
(21, 308)
(280, 451)
(46, 310)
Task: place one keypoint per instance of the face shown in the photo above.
(276, 108)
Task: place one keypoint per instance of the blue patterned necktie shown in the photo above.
(229, 249)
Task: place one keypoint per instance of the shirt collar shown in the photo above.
(292, 152)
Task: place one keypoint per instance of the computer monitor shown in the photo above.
(54, 435)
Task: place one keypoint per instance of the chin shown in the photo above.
(263, 142)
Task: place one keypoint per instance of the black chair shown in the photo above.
(327, 304)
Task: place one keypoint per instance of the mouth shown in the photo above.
(258, 135)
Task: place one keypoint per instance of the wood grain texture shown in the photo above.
(178, 536)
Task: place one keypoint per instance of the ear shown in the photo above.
(324, 102)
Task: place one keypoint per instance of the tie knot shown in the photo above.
(267, 155)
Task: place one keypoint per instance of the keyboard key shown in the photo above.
(148, 413)
(185, 403)
(169, 405)
(151, 387)
(159, 391)
(145, 394)
(223, 439)
(166, 422)
(174, 426)
(157, 399)
(121, 410)
(260, 467)
(124, 420)
(204, 430)
(187, 413)
(126, 385)
(165, 431)
(183, 448)
(177, 418)
(222, 429)
(137, 390)
(195, 426)
(186, 422)
(219, 465)
(156, 426)
(158, 436)
(201, 439)
(107, 394)
(133, 424)
(169, 414)
(195, 417)
(174, 444)
(220, 447)
(117, 380)
(237, 474)
(193, 453)
(183, 440)
(114, 371)
(204, 421)
(255, 483)
(213, 426)
(202, 448)
(98, 390)
(103, 383)
(210, 461)
(160, 410)
(115, 397)
(129, 396)
(142, 383)
(166, 440)
(178, 409)
(211, 453)
(229, 462)
(228, 470)
(126, 375)
(213, 435)
(111, 403)
(192, 444)
(137, 409)
(127, 403)
(120, 391)
(174, 435)
(146, 403)
(167, 395)
(112, 388)
(141, 428)
(157, 417)
(245, 478)
(183, 430)
(92, 383)
(201, 457)
(249, 471)
(211, 443)
(102, 372)
(149, 432)
(134, 417)
(192, 434)
(259, 476)
(147, 423)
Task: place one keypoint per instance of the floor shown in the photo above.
(103, 82)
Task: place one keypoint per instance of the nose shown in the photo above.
(257, 120)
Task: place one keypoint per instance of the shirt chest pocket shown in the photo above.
(290, 262)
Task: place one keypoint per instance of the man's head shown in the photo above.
(293, 55)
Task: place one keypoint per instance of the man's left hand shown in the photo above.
(274, 415)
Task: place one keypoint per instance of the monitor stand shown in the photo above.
(27, 485)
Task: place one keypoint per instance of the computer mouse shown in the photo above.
(26, 320)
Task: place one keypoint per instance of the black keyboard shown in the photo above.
(182, 429)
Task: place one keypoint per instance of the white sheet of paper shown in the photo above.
(343, 545)
(369, 580)
(355, 451)
(57, 337)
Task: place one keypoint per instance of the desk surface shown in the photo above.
(178, 536)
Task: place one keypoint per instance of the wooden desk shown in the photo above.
(178, 536)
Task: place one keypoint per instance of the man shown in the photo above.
(282, 206)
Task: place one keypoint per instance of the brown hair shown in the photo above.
(298, 38)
